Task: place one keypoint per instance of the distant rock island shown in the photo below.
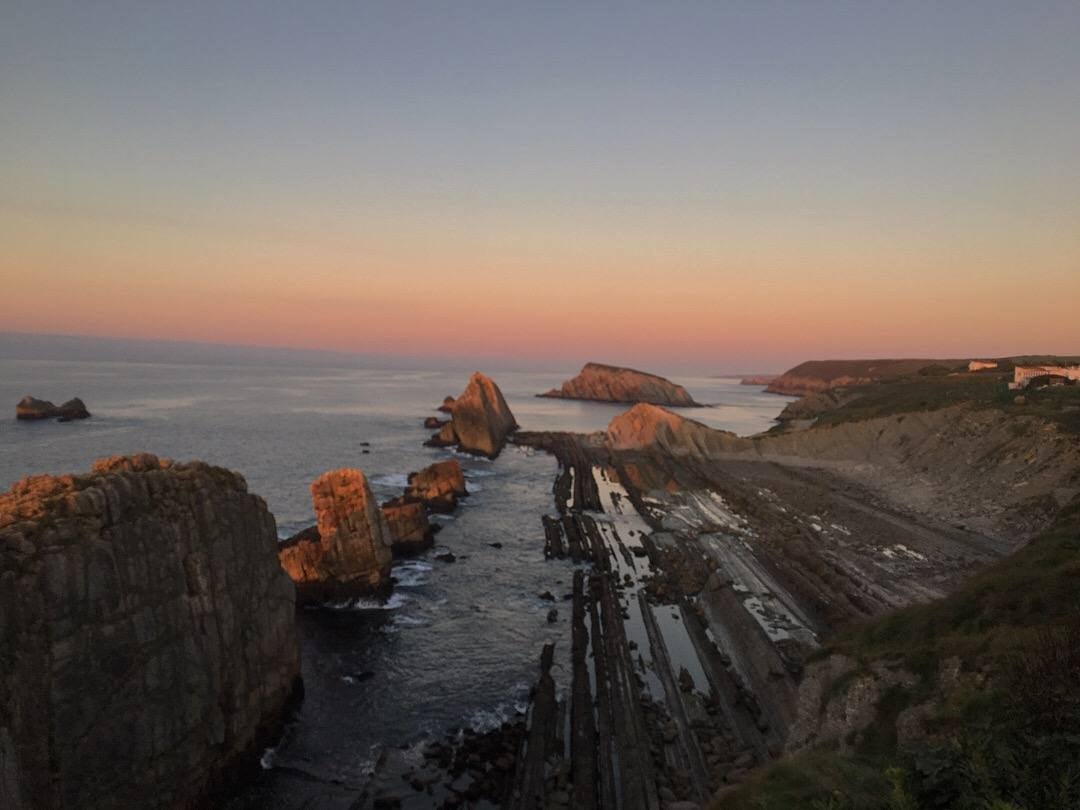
(758, 379)
(32, 408)
(602, 383)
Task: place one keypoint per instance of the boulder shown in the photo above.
(31, 408)
(438, 487)
(148, 646)
(603, 383)
(348, 554)
(480, 420)
(409, 526)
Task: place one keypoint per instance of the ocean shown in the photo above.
(457, 644)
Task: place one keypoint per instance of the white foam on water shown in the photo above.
(391, 480)
(266, 761)
(393, 603)
(410, 621)
(471, 473)
(411, 574)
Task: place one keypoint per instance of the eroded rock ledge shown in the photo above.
(603, 383)
(147, 638)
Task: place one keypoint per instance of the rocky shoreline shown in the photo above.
(709, 570)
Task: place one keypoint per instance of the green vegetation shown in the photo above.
(928, 392)
(1004, 726)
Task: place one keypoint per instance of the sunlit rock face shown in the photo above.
(480, 419)
(349, 551)
(409, 526)
(438, 486)
(647, 426)
(31, 408)
(148, 644)
(603, 383)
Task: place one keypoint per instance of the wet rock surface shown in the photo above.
(603, 383)
(715, 570)
(31, 408)
(349, 551)
(148, 648)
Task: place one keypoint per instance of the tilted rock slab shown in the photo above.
(348, 554)
(480, 420)
(148, 641)
(603, 383)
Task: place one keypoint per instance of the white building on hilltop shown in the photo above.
(1022, 375)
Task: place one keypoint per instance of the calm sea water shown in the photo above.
(458, 643)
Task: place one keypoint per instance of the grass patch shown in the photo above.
(1058, 404)
(1005, 736)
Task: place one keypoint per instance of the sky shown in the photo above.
(726, 186)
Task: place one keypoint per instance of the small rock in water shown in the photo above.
(553, 616)
(446, 556)
(495, 545)
(686, 680)
(547, 596)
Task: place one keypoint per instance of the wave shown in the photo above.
(390, 480)
(410, 621)
(393, 603)
(411, 574)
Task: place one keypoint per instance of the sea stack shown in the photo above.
(349, 550)
(32, 408)
(438, 486)
(148, 641)
(480, 419)
(602, 383)
(410, 530)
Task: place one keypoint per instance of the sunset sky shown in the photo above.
(729, 186)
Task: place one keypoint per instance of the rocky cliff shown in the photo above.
(814, 376)
(1002, 475)
(650, 426)
(147, 635)
(480, 419)
(31, 408)
(603, 383)
(348, 552)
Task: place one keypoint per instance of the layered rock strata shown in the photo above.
(147, 638)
